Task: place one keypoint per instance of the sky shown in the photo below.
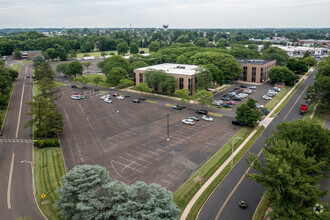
(155, 13)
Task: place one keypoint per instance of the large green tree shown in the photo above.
(42, 70)
(183, 94)
(275, 53)
(203, 97)
(204, 79)
(115, 75)
(122, 48)
(154, 46)
(114, 61)
(297, 66)
(247, 113)
(143, 87)
(282, 74)
(134, 48)
(87, 64)
(158, 79)
(74, 68)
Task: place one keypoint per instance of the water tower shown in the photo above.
(165, 26)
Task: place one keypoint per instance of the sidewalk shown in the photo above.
(265, 122)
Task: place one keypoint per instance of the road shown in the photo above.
(16, 192)
(223, 203)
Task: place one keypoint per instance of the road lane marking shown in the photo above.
(20, 111)
(9, 181)
(232, 192)
(295, 102)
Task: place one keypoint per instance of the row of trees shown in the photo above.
(46, 118)
(89, 193)
(295, 156)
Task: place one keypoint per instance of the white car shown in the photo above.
(108, 100)
(266, 97)
(120, 97)
(105, 97)
(272, 91)
(259, 105)
(247, 91)
(76, 97)
(81, 96)
(188, 121)
(252, 87)
(243, 95)
(207, 118)
(217, 102)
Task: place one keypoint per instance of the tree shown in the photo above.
(281, 74)
(143, 87)
(201, 42)
(38, 58)
(52, 53)
(72, 54)
(159, 79)
(126, 83)
(204, 79)
(87, 64)
(115, 75)
(307, 54)
(114, 61)
(310, 61)
(122, 48)
(134, 48)
(97, 80)
(47, 89)
(297, 66)
(18, 53)
(247, 113)
(74, 68)
(42, 70)
(275, 53)
(61, 53)
(306, 132)
(154, 46)
(203, 97)
(290, 179)
(137, 64)
(61, 68)
(183, 94)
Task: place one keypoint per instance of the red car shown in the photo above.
(78, 93)
(231, 103)
(115, 94)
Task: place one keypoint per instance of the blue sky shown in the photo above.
(154, 13)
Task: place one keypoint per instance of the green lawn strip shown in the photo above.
(261, 209)
(215, 114)
(272, 103)
(91, 78)
(59, 84)
(319, 118)
(169, 105)
(4, 110)
(48, 170)
(150, 101)
(16, 66)
(309, 112)
(228, 109)
(205, 195)
(98, 54)
(185, 193)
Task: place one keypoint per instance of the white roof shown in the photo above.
(172, 68)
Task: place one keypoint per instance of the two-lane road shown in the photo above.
(16, 192)
(223, 203)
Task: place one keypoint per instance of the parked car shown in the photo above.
(195, 118)
(259, 105)
(272, 91)
(201, 111)
(115, 94)
(81, 96)
(237, 98)
(270, 94)
(217, 102)
(207, 118)
(136, 100)
(266, 97)
(120, 97)
(252, 87)
(28, 76)
(105, 97)
(177, 107)
(244, 95)
(243, 86)
(74, 86)
(108, 100)
(247, 91)
(188, 121)
(226, 106)
(237, 123)
(277, 89)
(231, 103)
(76, 97)
(226, 98)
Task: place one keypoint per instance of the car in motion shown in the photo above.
(28, 76)
(188, 121)
(207, 118)
(177, 107)
(201, 111)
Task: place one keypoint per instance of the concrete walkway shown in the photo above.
(265, 122)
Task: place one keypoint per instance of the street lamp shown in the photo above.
(117, 106)
(168, 127)
(31, 163)
(232, 149)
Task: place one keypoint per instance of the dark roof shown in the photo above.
(253, 61)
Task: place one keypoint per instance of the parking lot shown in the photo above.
(129, 139)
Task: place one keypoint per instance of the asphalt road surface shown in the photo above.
(16, 192)
(223, 203)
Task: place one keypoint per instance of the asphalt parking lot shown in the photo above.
(129, 139)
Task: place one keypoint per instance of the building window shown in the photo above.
(262, 75)
(190, 85)
(244, 73)
(141, 77)
(254, 70)
(180, 83)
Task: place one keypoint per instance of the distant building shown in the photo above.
(299, 52)
(255, 70)
(312, 42)
(28, 54)
(186, 74)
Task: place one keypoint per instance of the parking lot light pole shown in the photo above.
(117, 106)
(168, 127)
(31, 163)
(232, 149)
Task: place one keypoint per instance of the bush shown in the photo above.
(52, 142)
(86, 55)
(40, 143)
(112, 53)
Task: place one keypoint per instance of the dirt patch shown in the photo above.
(45, 202)
(198, 179)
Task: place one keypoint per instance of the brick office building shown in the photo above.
(186, 74)
(255, 70)
(29, 54)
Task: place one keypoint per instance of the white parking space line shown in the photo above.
(119, 173)
(9, 181)
(146, 155)
(81, 109)
(131, 162)
(89, 123)
(125, 165)
(165, 181)
(139, 158)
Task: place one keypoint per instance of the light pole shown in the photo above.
(168, 127)
(232, 149)
(117, 106)
(31, 163)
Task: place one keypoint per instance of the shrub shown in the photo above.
(40, 143)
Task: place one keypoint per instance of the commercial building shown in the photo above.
(186, 74)
(255, 70)
(29, 54)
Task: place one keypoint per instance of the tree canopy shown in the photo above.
(74, 68)
(203, 97)
(297, 66)
(122, 48)
(247, 113)
(281, 74)
(275, 53)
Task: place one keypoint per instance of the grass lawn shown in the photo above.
(319, 118)
(261, 209)
(309, 112)
(215, 114)
(59, 84)
(16, 66)
(151, 101)
(4, 110)
(205, 195)
(272, 103)
(48, 170)
(185, 193)
(91, 78)
(98, 53)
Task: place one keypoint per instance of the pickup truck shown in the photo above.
(303, 109)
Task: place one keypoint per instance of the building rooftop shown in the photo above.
(172, 68)
(253, 61)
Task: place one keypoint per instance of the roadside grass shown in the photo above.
(48, 170)
(150, 101)
(91, 78)
(59, 84)
(261, 209)
(169, 105)
(4, 110)
(185, 193)
(98, 53)
(16, 66)
(319, 118)
(272, 103)
(215, 114)
(309, 112)
(205, 195)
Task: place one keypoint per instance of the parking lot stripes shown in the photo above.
(112, 162)
(128, 166)
(24, 141)
(139, 158)
(131, 163)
